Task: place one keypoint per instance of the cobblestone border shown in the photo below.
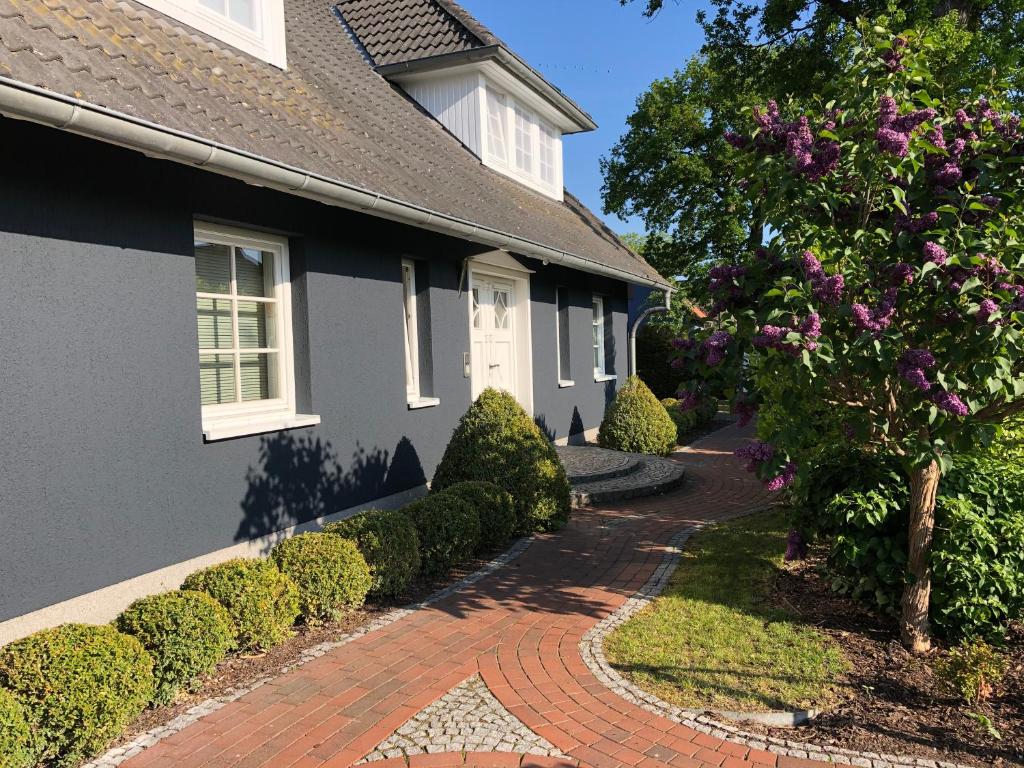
(119, 754)
(592, 651)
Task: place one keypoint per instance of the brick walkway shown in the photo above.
(520, 630)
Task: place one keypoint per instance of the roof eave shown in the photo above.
(22, 101)
(507, 59)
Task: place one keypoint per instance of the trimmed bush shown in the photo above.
(495, 507)
(684, 420)
(448, 529)
(80, 684)
(636, 422)
(16, 737)
(186, 633)
(329, 571)
(497, 441)
(262, 601)
(388, 542)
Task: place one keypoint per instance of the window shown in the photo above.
(521, 145)
(253, 26)
(548, 170)
(417, 350)
(562, 337)
(243, 316)
(524, 140)
(598, 323)
(496, 144)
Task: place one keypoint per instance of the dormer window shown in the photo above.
(253, 26)
(534, 154)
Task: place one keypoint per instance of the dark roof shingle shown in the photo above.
(329, 114)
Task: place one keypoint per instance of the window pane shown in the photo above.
(213, 267)
(547, 156)
(214, 317)
(243, 11)
(214, 5)
(256, 324)
(258, 371)
(253, 272)
(524, 140)
(496, 125)
(217, 379)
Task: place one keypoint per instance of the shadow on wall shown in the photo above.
(300, 479)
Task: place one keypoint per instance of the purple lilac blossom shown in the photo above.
(950, 402)
(756, 453)
(878, 319)
(688, 400)
(714, 347)
(903, 273)
(784, 478)
(935, 253)
(911, 366)
(986, 309)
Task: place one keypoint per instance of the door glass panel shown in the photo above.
(476, 308)
(501, 319)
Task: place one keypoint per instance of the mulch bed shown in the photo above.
(892, 702)
(242, 671)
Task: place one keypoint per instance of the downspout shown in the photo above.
(640, 321)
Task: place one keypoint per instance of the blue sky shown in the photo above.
(601, 54)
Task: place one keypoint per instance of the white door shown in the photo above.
(492, 335)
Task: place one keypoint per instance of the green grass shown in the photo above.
(711, 640)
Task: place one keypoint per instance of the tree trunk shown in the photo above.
(914, 629)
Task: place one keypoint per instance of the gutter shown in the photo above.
(509, 61)
(26, 102)
(640, 320)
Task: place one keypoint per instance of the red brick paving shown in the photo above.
(520, 628)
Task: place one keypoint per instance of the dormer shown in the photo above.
(499, 107)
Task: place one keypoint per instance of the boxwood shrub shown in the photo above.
(186, 633)
(495, 507)
(390, 545)
(329, 571)
(637, 422)
(17, 741)
(496, 440)
(80, 684)
(448, 529)
(262, 601)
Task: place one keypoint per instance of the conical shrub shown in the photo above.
(497, 441)
(636, 422)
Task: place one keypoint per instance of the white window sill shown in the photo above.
(605, 377)
(424, 402)
(562, 383)
(221, 429)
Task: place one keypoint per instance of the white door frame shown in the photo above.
(522, 338)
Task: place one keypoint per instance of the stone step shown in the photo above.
(600, 476)
(589, 464)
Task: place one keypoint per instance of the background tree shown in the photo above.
(892, 288)
(672, 167)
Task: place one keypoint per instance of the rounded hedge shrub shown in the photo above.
(448, 529)
(80, 684)
(186, 633)
(262, 601)
(390, 545)
(496, 440)
(684, 420)
(329, 571)
(495, 507)
(636, 422)
(16, 737)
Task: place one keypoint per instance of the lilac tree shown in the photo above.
(891, 289)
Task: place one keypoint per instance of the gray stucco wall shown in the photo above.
(105, 472)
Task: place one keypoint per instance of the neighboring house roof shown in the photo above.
(329, 116)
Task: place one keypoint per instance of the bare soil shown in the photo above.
(892, 702)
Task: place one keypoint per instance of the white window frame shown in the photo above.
(562, 383)
(256, 416)
(507, 164)
(600, 373)
(266, 42)
(410, 332)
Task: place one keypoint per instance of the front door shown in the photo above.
(492, 334)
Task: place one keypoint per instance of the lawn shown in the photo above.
(715, 640)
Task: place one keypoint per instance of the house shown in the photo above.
(256, 259)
